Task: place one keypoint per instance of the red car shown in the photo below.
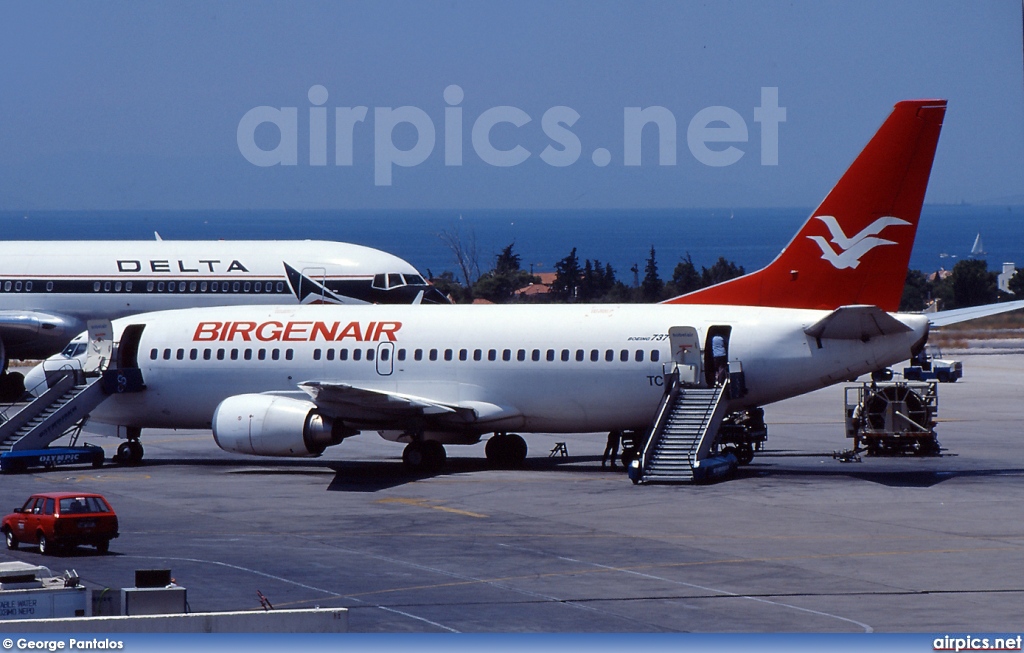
(55, 520)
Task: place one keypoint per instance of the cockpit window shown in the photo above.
(74, 349)
(414, 280)
(380, 281)
(395, 280)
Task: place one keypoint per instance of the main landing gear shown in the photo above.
(506, 450)
(130, 453)
(424, 456)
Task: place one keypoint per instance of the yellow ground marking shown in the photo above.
(423, 503)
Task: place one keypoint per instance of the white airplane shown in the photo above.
(291, 381)
(50, 289)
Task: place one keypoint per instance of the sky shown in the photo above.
(492, 105)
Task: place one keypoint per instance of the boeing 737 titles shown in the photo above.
(50, 289)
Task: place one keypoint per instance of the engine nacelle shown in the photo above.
(265, 425)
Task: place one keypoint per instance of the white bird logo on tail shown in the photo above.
(851, 249)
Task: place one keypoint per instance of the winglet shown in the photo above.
(855, 247)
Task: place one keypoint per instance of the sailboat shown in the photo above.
(978, 249)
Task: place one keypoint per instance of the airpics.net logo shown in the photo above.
(715, 135)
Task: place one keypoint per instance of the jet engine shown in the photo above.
(266, 425)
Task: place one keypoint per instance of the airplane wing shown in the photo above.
(856, 323)
(354, 403)
(943, 318)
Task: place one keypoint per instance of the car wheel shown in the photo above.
(102, 547)
(45, 548)
(12, 541)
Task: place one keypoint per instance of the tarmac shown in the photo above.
(796, 542)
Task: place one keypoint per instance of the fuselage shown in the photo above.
(576, 368)
(60, 285)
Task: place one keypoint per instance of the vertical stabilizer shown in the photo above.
(855, 247)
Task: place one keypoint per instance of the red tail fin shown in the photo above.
(855, 247)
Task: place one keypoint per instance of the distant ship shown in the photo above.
(978, 249)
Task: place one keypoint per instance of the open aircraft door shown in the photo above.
(686, 354)
(101, 345)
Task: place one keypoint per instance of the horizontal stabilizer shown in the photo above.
(943, 318)
(856, 323)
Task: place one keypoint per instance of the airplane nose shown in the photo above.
(35, 381)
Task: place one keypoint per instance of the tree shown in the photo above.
(450, 287)
(650, 288)
(464, 253)
(722, 270)
(685, 278)
(500, 284)
(1017, 284)
(916, 291)
(567, 278)
(973, 284)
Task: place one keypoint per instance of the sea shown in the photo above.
(749, 237)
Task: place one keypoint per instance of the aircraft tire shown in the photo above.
(137, 452)
(436, 456)
(415, 456)
(517, 450)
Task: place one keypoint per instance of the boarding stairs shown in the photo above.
(71, 396)
(683, 433)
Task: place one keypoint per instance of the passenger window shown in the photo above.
(316, 354)
(478, 354)
(521, 355)
(181, 287)
(153, 354)
(655, 355)
(506, 355)
(369, 354)
(343, 355)
(234, 287)
(447, 354)
(551, 355)
(192, 286)
(95, 286)
(433, 354)
(417, 355)
(624, 355)
(149, 287)
(261, 354)
(117, 287)
(463, 354)
(7, 286)
(248, 355)
(220, 354)
(594, 355)
(280, 286)
(259, 287)
(536, 355)
(289, 354)
(401, 354)
(28, 286)
(167, 354)
(357, 354)
(180, 355)
(384, 354)
(579, 355)
(234, 354)
(609, 355)
(106, 286)
(159, 287)
(48, 507)
(203, 286)
(639, 355)
(246, 287)
(193, 354)
(330, 354)
(492, 354)
(565, 355)
(127, 286)
(275, 354)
